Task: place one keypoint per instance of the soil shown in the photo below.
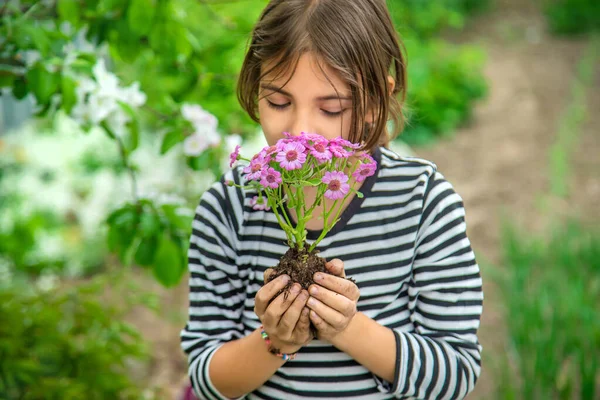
(498, 163)
(300, 266)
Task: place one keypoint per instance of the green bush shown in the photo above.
(552, 292)
(573, 16)
(426, 19)
(67, 344)
(444, 82)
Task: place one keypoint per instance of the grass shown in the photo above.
(572, 120)
(552, 291)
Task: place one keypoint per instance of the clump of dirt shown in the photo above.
(300, 265)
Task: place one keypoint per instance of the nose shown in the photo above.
(301, 122)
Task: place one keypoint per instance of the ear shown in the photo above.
(370, 117)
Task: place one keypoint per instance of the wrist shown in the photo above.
(344, 337)
(279, 349)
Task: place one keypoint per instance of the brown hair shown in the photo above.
(356, 38)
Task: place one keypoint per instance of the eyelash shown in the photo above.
(281, 107)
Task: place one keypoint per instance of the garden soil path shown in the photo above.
(498, 164)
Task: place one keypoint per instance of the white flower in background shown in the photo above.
(50, 246)
(194, 145)
(199, 117)
(47, 281)
(205, 130)
(98, 99)
(30, 57)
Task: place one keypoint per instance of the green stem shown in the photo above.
(326, 227)
(286, 228)
(300, 217)
(285, 214)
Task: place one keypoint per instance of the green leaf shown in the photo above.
(146, 250)
(132, 138)
(149, 224)
(178, 221)
(168, 263)
(69, 97)
(170, 140)
(113, 238)
(68, 10)
(6, 79)
(20, 89)
(140, 16)
(311, 182)
(43, 83)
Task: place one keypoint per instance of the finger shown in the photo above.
(268, 273)
(304, 321)
(266, 293)
(302, 333)
(336, 267)
(326, 313)
(341, 304)
(318, 322)
(339, 285)
(290, 318)
(280, 305)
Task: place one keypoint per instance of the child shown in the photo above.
(408, 327)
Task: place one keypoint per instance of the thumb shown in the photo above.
(336, 267)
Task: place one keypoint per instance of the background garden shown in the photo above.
(115, 116)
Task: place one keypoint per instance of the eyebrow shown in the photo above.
(288, 94)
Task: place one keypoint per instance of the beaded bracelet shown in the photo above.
(283, 356)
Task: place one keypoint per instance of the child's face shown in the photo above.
(314, 100)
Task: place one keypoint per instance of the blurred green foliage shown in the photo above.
(70, 343)
(552, 291)
(189, 51)
(446, 80)
(151, 236)
(572, 17)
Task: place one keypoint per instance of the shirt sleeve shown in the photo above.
(441, 359)
(216, 289)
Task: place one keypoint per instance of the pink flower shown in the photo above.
(270, 178)
(312, 136)
(339, 141)
(233, 157)
(255, 169)
(339, 151)
(259, 204)
(363, 171)
(291, 156)
(320, 151)
(337, 187)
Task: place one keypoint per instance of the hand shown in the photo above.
(285, 318)
(333, 301)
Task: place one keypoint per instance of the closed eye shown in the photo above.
(332, 113)
(277, 106)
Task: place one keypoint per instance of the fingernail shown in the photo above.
(285, 279)
(318, 276)
(303, 296)
(295, 289)
(305, 312)
(312, 301)
(313, 290)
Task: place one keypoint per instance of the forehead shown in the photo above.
(307, 73)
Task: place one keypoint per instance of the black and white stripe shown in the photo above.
(405, 245)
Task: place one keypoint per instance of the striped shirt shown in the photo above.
(404, 243)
